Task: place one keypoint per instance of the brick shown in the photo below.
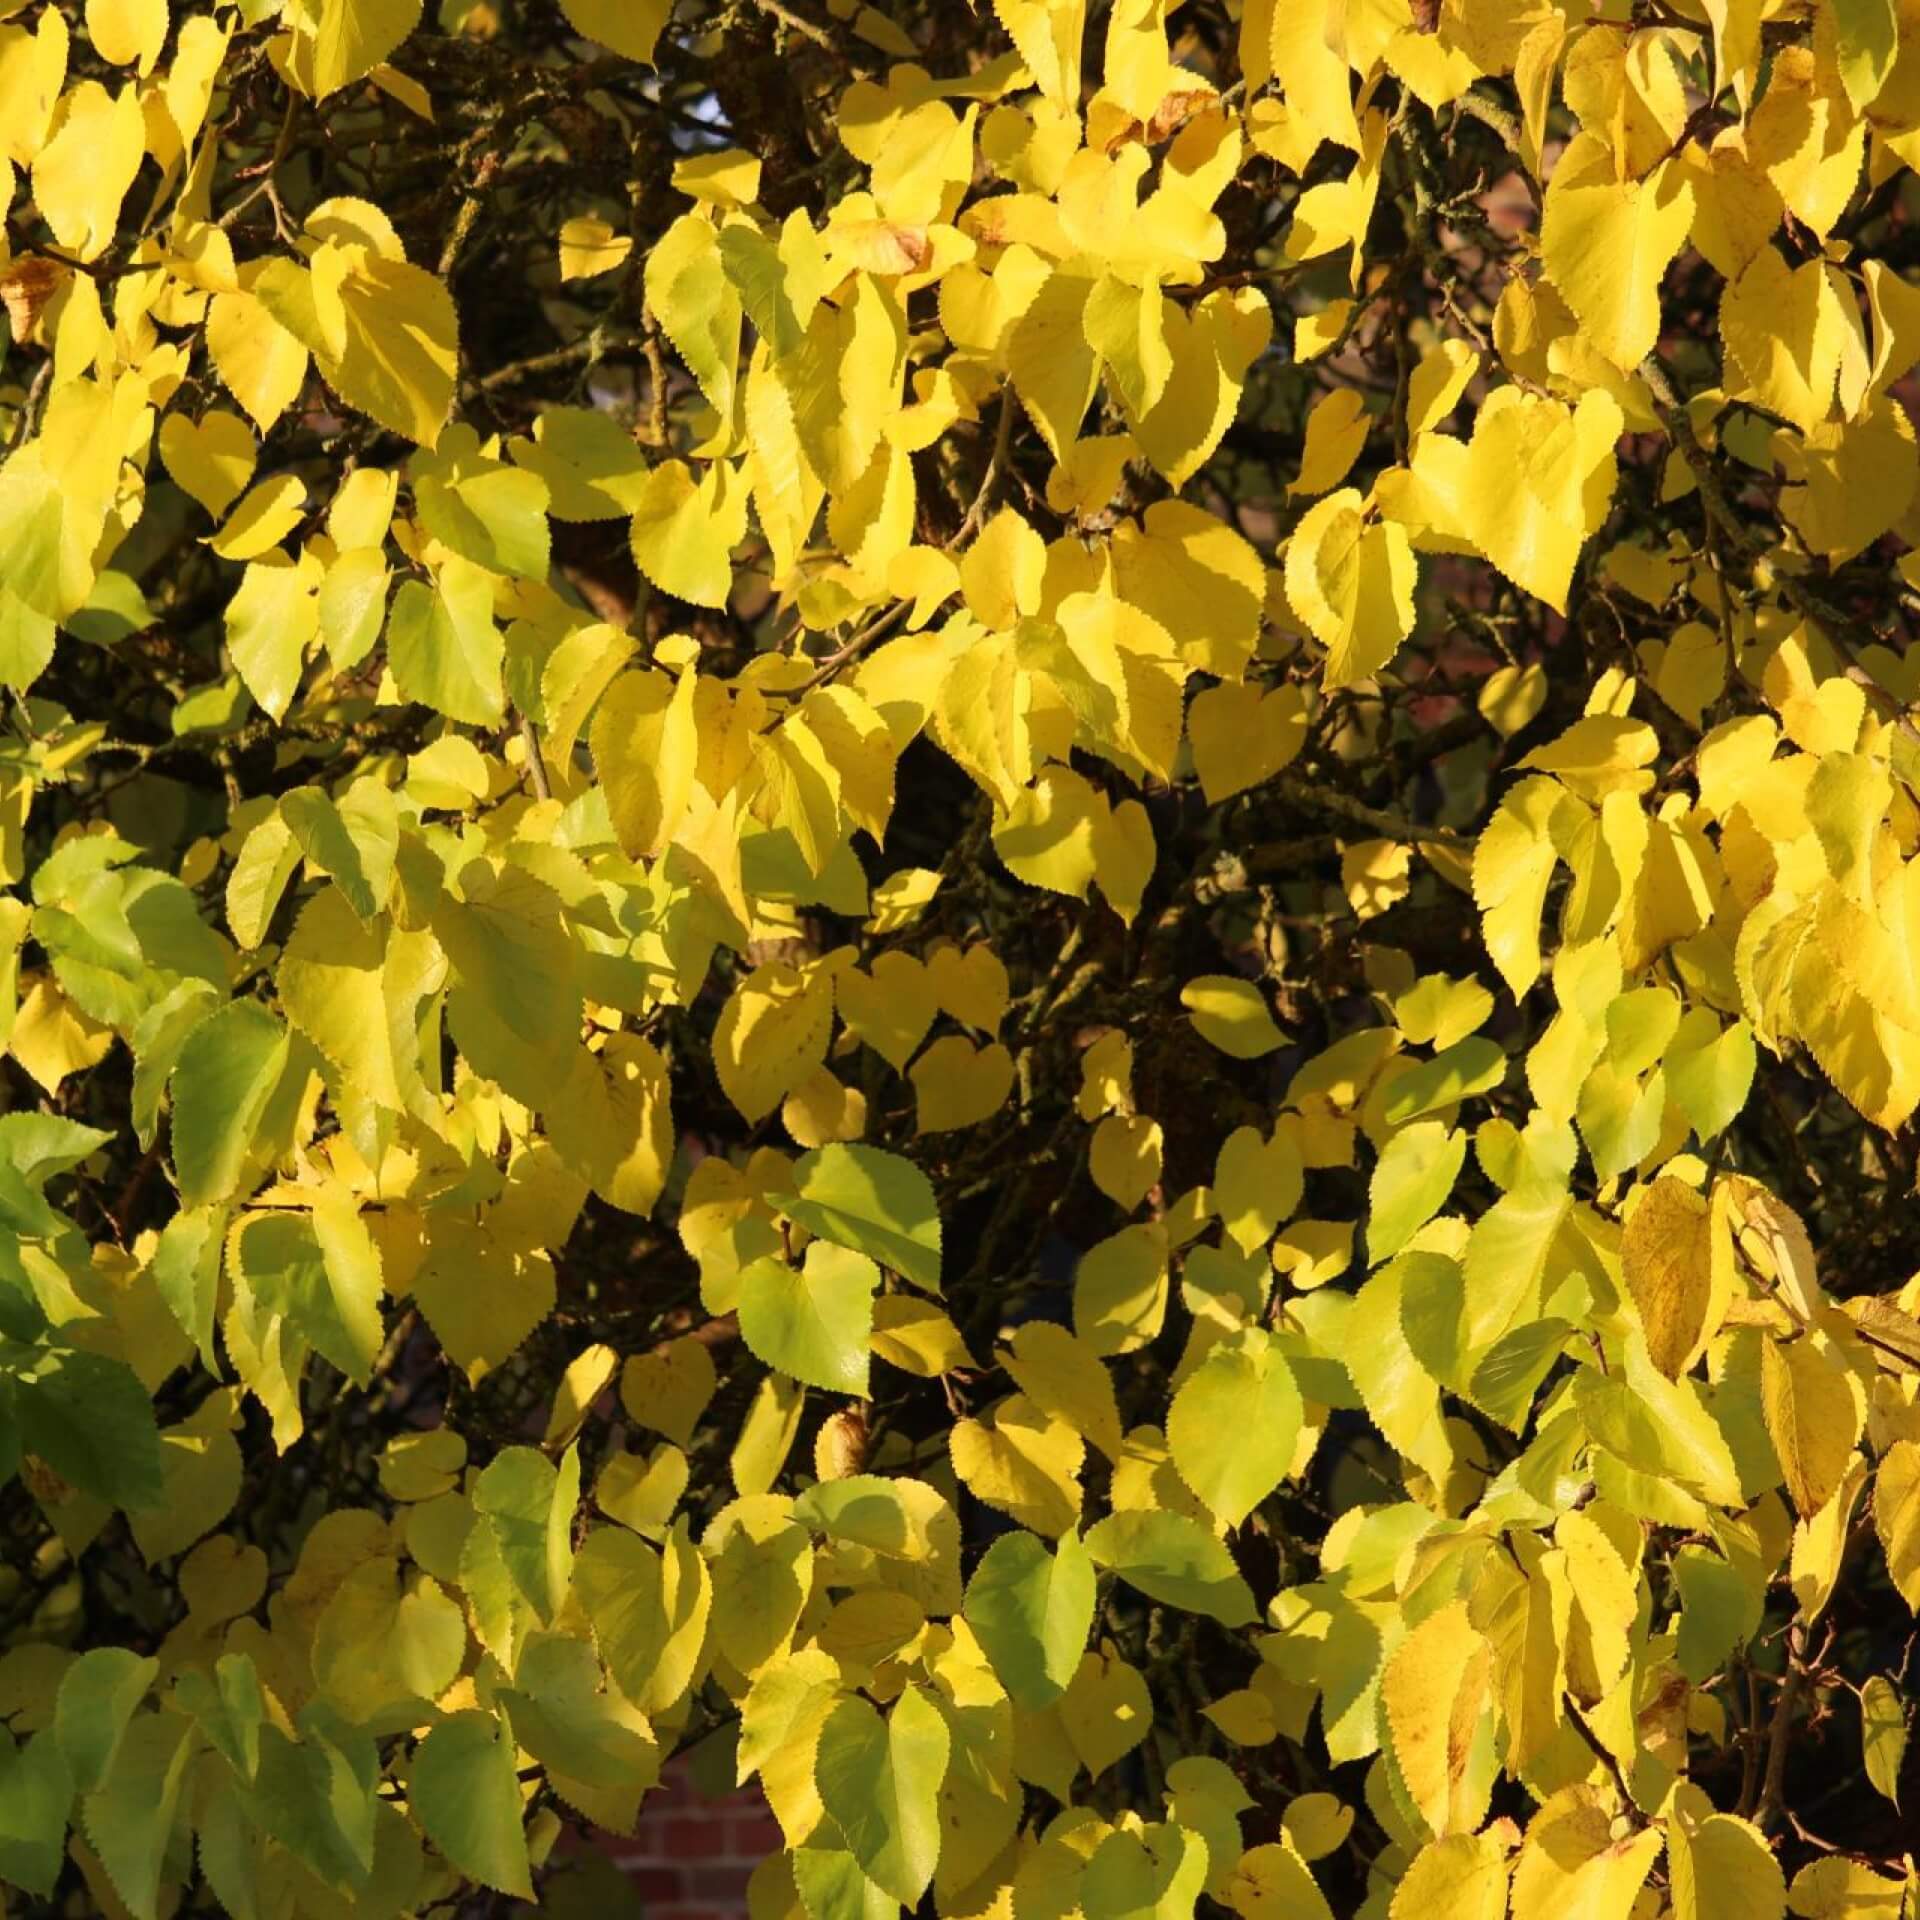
(754, 1837)
(689, 1837)
(657, 1883)
(725, 1886)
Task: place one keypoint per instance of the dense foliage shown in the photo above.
(1017, 913)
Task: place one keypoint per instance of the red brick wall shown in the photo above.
(689, 1857)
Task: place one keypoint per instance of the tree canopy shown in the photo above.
(1012, 911)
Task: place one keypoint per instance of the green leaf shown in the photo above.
(873, 1202)
(228, 1070)
(768, 286)
(814, 1323)
(90, 1420)
(229, 1707)
(444, 648)
(1156, 1875)
(832, 1887)
(186, 1270)
(530, 1505)
(1031, 1611)
(1720, 1609)
(1411, 1181)
(880, 1781)
(1469, 1066)
(564, 1717)
(129, 1818)
(36, 1797)
(1171, 1557)
(316, 1795)
(466, 1795)
(485, 511)
(1234, 1424)
(156, 1042)
(98, 1697)
(328, 1294)
(353, 843)
(515, 1008)
(386, 1644)
(1709, 1072)
(648, 1610)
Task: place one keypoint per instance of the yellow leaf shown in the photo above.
(772, 1034)
(589, 246)
(1437, 383)
(1666, 1258)
(1435, 1692)
(262, 520)
(891, 1008)
(83, 172)
(1243, 734)
(480, 1295)
(956, 1084)
(127, 33)
(399, 345)
(1720, 1866)
(1836, 1888)
(1054, 369)
(1023, 1462)
(1896, 1517)
(1785, 329)
(1213, 343)
(645, 750)
(1247, 1719)
(1336, 431)
(350, 39)
(1463, 1876)
(1273, 1882)
(1570, 1862)
(211, 459)
(614, 1124)
(1257, 1183)
(915, 1336)
(1231, 1014)
(971, 985)
(1350, 580)
(1120, 1290)
(1539, 480)
(685, 530)
(1067, 1380)
(259, 362)
(1124, 1158)
(53, 1038)
(1374, 875)
(1002, 572)
(1199, 579)
(1607, 241)
(1106, 1710)
(629, 28)
(667, 1390)
(1320, 332)
(1814, 1411)
(1048, 34)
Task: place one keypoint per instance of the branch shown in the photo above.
(1318, 799)
(1774, 1783)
